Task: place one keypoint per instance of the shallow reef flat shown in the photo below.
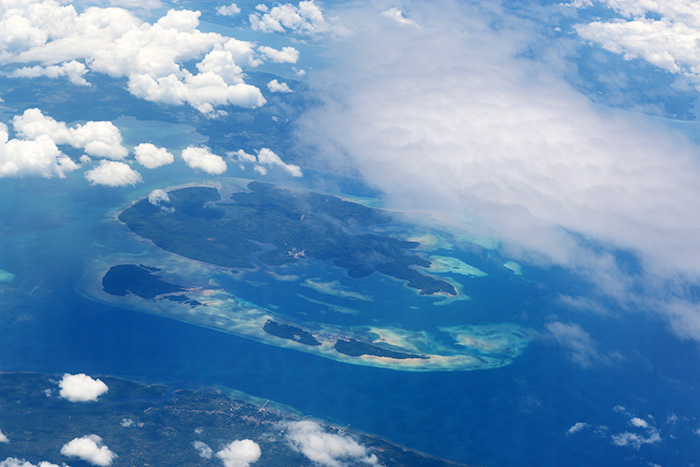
(171, 278)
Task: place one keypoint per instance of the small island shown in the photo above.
(276, 226)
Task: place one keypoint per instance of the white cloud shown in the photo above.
(582, 348)
(39, 157)
(14, 462)
(286, 55)
(455, 122)
(114, 174)
(397, 15)
(635, 440)
(576, 427)
(115, 42)
(268, 157)
(203, 449)
(158, 197)
(151, 156)
(240, 453)
(639, 422)
(73, 70)
(228, 10)
(203, 159)
(99, 139)
(276, 86)
(81, 388)
(265, 157)
(305, 18)
(323, 448)
(664, 33)
(3, 438)
(90, 449)
(126, 422)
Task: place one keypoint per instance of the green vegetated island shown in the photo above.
(157, 425)
(297, 224)
(276, 226)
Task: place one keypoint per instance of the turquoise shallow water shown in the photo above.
(516, 415)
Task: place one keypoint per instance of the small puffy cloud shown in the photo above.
(81, 388)
(639, 422)
(151, 156)
(276, 86)
(635, 440)
(203, 449)
(576, 427)
(265, 157)
(228, 10)
(158, 197)
(114, 174)
(240, 453)
(397, 15)
(14, 462)
(126, 422)
(98, 139)
(72, 70)
(3, 438)
(325, 449)
(305, 18)
(161, 199)
(201, 158)
(286, 55)
(90, 449)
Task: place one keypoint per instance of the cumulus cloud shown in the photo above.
(286, 55)
(576, 427)
(201, 158)
(276, 86)
(265, 157)
(268, 157)
(203, 449)
(81, 388)
(326, 449)
(72, 70)
(126, 422)
(3, 438)
(455, 122)
(39, 157)
(14, 462)
(151, 156)
(98, 139)
(397, 15)
(90, 449)
(158, 197)
(660, 32)
(306, 18)
(114, 174)
(115, 42)
(228, 10)
(240, 453)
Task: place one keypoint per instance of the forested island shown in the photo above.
(276, 226)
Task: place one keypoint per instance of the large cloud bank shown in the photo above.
(81, 388)
(326, 449)
(90, 449)
(58, 41)
(447, 117)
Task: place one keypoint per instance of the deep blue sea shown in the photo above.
(516, 415)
